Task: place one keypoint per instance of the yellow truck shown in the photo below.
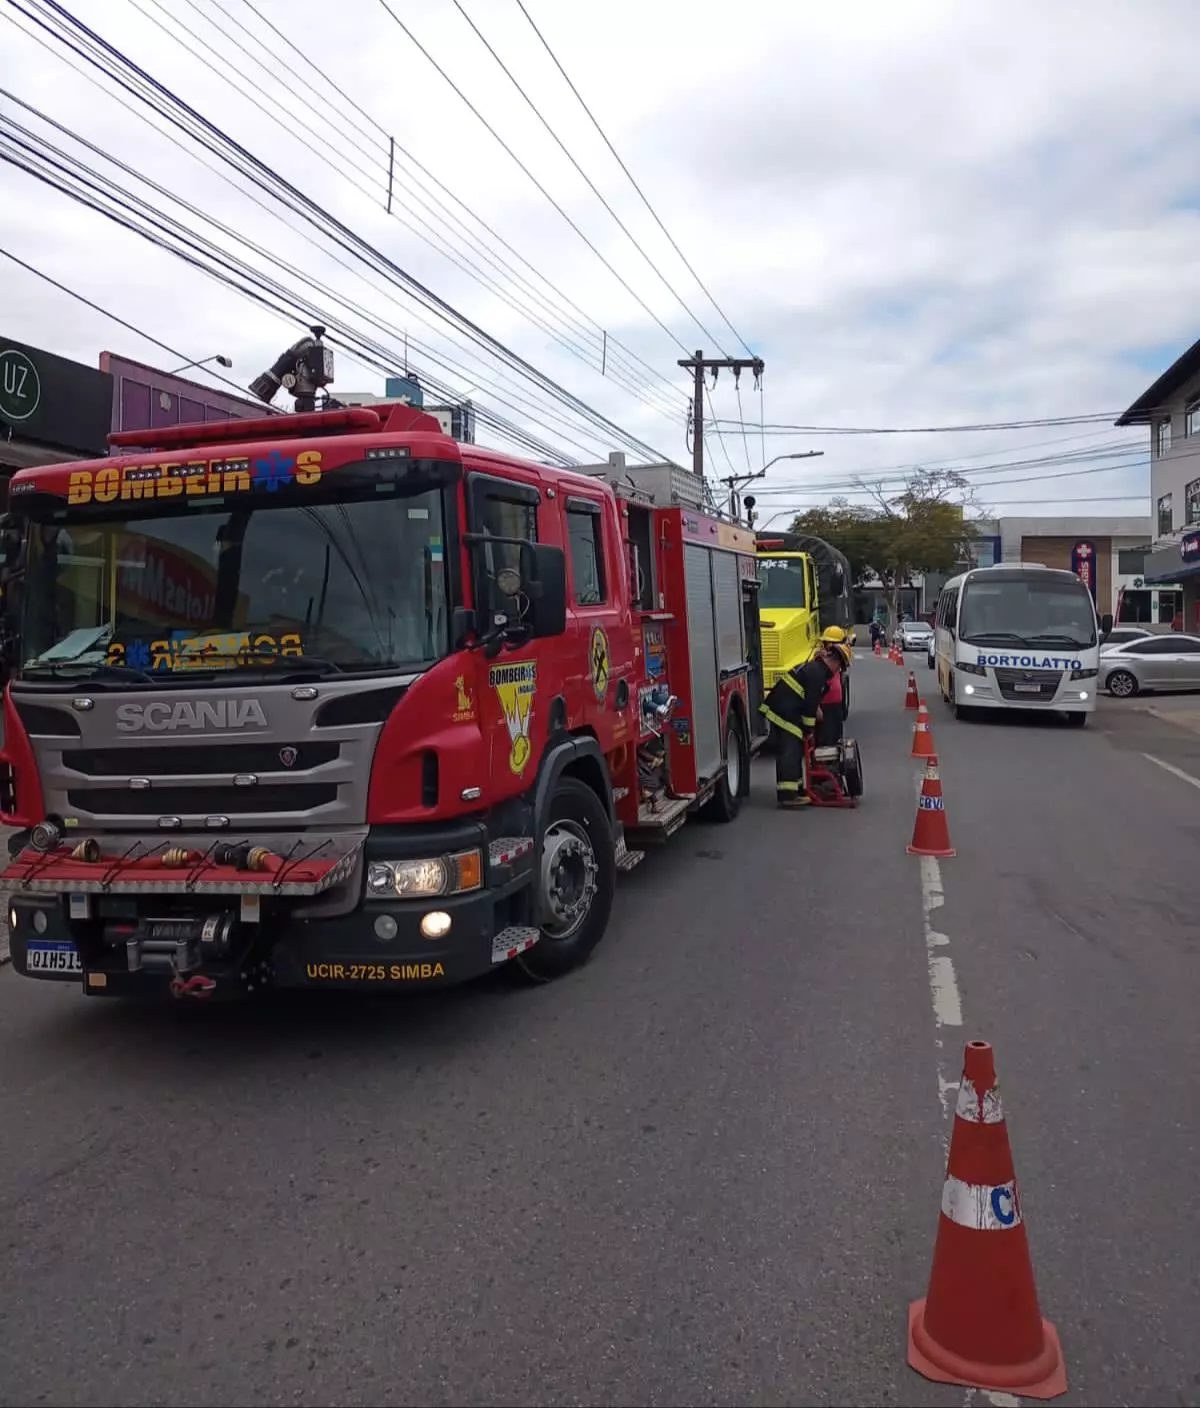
(804, 587)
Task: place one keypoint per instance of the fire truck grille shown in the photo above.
(770, 650)
(197, 760)
(176, 800)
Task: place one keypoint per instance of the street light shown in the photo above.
(799, 455)
(219, 358)
(735, 486)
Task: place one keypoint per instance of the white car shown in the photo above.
(915, 635)
(931, 656)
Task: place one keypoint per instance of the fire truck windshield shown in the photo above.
(358, 584)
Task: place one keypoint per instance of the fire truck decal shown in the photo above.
(598, 654)
(464, 711)
(196, 479)
(514, 686)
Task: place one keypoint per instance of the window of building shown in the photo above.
(587, 554)
(1191, 419)
(1166, 517)
(1131, 562)
(1192, 499)
(1162, 436)
(1170, 604)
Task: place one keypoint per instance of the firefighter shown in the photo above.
(792, 707)
(831, 719)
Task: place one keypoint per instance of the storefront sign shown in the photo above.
(48, 400)
(1083, 564)
(1189, 547)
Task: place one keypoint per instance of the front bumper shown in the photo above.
(377, 944)
(986, 692)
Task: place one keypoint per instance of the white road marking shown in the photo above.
(1173, 770)
(995, 1398)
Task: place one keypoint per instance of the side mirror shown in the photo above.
(1106, 623)
(548, 605)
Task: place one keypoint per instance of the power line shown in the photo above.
(434, 235)
(106, 313)
(181, 115)
(641, 302)
(562, 146)
(632, 181)
(175, 238)
(1089, 418)
(472, 375)
(602, 347)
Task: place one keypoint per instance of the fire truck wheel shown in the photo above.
(727, 799)
(578, 877)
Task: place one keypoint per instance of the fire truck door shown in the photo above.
(593, 582)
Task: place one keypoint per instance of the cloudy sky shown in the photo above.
(918, 214)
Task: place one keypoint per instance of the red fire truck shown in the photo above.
(328, 699)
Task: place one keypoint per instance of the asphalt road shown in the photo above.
(705, 1170)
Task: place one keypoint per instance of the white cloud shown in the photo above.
(928, 213)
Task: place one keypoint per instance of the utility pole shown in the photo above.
(698, 365)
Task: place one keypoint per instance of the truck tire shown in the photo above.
(845, 694)
(726, 801)
(579, 866)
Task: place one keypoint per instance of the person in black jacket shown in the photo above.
(792, 707)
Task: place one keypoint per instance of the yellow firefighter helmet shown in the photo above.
(833, 635)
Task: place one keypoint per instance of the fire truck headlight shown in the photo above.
(411, 879)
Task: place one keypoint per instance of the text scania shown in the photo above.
(1031, 662)
(192, 478)
(214, 715)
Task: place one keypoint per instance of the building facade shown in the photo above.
(51, 409)
(1170, 409)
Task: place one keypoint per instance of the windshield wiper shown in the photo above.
(994, 635)
(1058, 638)
(73, 670)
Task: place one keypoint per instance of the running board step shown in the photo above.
(512, 941)
(626, 859)
(663, 821)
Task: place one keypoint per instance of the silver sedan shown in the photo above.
(1156, 662)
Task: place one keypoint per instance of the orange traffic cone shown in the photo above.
(980, 1325)
(878, 648)
(911, 699)
(900, 655)
(922, 739)
(931, 834)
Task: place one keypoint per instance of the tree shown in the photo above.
(921, 529)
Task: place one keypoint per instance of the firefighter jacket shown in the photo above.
(795, 697)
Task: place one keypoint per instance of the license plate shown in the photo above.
(52, 956)
(1027, 688)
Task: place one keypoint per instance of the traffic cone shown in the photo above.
(922, 739)
(931, 834)
(900, 656)
(910, 699)
(878, 648)
(980, 1325)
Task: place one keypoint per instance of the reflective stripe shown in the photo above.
(980, 1206)
(808, 722)
(793, 684)
(787, 787)
(782, 723)
(985, 1109)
